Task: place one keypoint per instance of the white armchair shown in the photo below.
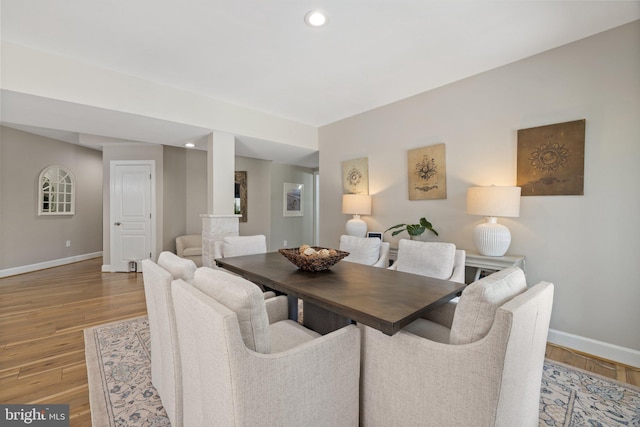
(432, 259)
(190, 247)
(363, 250)
(475, 363)
(240, 371)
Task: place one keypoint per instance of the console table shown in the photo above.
(480, 262)
(491, 263)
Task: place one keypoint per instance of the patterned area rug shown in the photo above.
(121, 393)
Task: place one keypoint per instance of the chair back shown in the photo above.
(180, 268)
(243, 245)
(227, 384)
(432, 259)
(493, 381)
(479, 302)
(244, 298)
(165, 355)
(362, 250)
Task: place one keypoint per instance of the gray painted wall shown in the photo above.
(295, 230)
(175, 197)
(587, 245)
(25, 237)
(259, 197)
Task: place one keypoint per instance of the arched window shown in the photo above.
(56, 191)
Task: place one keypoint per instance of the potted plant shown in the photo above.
(414, 230)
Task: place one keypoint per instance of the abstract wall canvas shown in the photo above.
(427, 173)
(355, 176)
(551, 159)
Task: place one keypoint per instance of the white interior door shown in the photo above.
(131, 213)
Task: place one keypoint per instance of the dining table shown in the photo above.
(347, 292)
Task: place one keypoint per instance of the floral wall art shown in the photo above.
(427, 173)
(355, 176)
(551, 159)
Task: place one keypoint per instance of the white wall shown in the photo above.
(587, 245)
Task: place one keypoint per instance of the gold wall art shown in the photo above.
(551, 159)
(427, 173)
(355, 176)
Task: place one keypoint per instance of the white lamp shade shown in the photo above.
(491, 238)
(494, 201)
(356, 204)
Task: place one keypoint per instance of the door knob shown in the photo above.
(117, 223)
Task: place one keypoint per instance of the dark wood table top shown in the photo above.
(383, 299)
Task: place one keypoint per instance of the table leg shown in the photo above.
(322, 321)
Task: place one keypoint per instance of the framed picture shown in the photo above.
(374, 234)
(551, 159)
(427, 173)
(293, 197)
(240, 201)
(355, 176)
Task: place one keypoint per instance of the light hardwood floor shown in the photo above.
(43, 314)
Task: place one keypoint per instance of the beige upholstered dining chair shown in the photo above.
(165, 358)
(166, 373)
(243, 245)
(433, 259)
(363, 250)
(190, 247)
(239, 370)
(478, 362)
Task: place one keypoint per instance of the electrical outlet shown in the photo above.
(284, 244)
(68, 243)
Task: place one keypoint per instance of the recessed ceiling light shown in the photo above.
(315, 18)
(189, 145)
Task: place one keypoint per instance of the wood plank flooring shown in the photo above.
(43, 314)
(42, 317)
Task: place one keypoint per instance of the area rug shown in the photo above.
(121, 393)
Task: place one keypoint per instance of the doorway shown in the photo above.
(132, 211)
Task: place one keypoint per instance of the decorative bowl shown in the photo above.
(313, 262)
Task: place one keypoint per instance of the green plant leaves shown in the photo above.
(413, 229)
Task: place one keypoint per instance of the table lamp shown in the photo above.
(491, 238)
(356, 204)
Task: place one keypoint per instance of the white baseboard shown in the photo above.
(601, 349)
(106, 268)
(47, 264)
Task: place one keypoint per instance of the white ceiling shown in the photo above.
(260, 54)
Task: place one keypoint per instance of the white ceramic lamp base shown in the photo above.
(356, 227)
(491, 238)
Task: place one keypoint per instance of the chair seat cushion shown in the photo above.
(433, 259)
(361, 250)
(479, 302)
(287, 334)
(191, 252)
(430, 330)
(244, 298)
